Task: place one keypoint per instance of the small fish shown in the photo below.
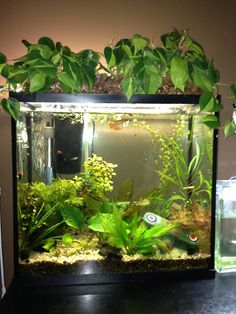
(114, 126)
(118, 125)
(74, 158)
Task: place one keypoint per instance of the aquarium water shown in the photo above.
(225, 243)
(89, 173)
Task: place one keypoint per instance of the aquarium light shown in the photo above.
(128, 108)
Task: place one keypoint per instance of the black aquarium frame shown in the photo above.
(108, 278)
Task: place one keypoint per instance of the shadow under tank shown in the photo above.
(113, 190)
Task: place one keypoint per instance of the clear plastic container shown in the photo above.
(225, 243)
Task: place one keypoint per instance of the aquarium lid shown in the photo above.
(105, 98)
(99, 103)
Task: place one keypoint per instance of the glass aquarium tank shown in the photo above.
(225, 242)
(110, 187)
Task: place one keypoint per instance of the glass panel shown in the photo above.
(126, 187)
(225, 253)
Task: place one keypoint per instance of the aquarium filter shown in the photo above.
(49, 133)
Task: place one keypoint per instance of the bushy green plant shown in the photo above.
(41, 218)
(95, 179)
(35, 227)
(140, 65)
(43, 208)
(131, 235)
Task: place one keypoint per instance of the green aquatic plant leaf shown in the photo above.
(98, 222)
(72, 216)
(67, 238)
(126, 191)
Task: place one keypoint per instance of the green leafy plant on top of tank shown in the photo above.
(141, 66)
(47, 63)
(130, 235)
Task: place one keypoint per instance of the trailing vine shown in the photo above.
(140, 66)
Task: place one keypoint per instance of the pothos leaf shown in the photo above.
(47, 41)
(229, 128)
(37, 81)
(211, 121)
(3, 58)
(200, 78)
(233, 89)
(152, 79)
(209, 103)
(11, 106)
(110, 57)
(179, 72)
(139, 42)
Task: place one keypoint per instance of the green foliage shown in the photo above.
(65, 191)
(95, 179)
(72, 216)
(141, 66)
(131, 236)
(144, 67)
(229, 128)
(181, 176)
(11, 106)
(35, 227)
(46, 63)
(42, 208)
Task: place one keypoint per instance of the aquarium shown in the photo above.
(106, 186)
(225, 243)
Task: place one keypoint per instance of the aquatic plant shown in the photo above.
(178, 166)
(42, 208)
(130, 235)
(95, 179)
(35, 228)
(64, 191)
